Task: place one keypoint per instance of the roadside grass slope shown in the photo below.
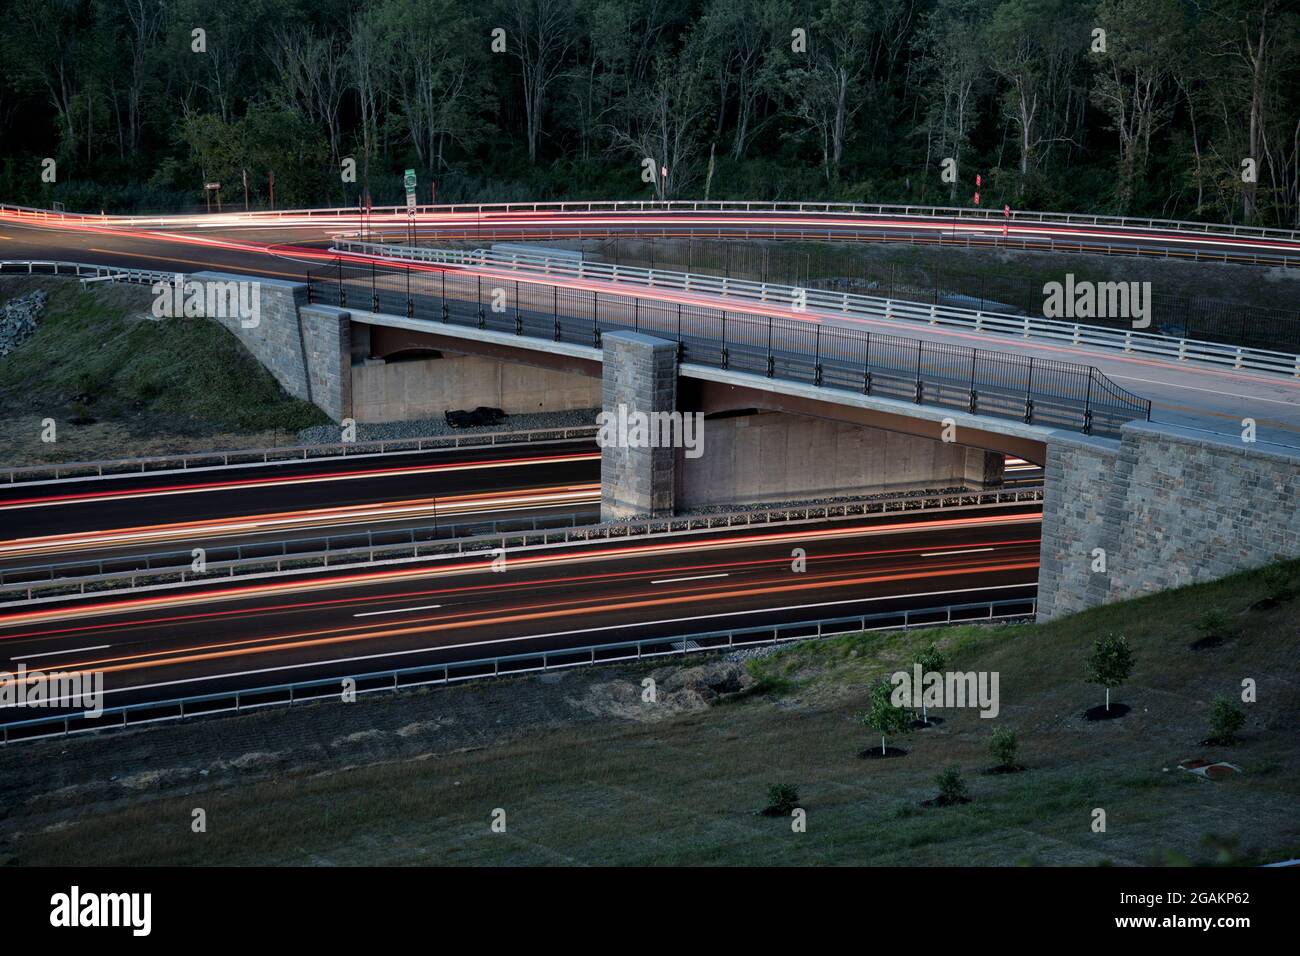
(150, 386)
(684, 790)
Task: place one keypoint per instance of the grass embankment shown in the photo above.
(151, 387)
(683, 790)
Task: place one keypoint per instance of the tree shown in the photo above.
(952, 788)
(1003, 747)
(953, 64)
(1133, 85)
(1226, 719)
(437, 73)
(311, 79)
(540, 37)
(1254, 40)
(747, 41)
(367, 66)
(1111, 663)
(882, 716)
(1034, 46)
(847, 42)
(932, 660)
(665, 123)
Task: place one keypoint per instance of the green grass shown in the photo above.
(95, 352)
(684, 790)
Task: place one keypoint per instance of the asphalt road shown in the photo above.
(164, 644)
(551, 224)
(223, 508)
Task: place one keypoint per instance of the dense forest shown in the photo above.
(1171, 108)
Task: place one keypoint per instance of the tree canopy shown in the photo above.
(1170, 108)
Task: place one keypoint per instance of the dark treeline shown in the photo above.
(140, 102)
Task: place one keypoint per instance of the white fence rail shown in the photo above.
(957, 213)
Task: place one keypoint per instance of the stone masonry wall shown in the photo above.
(304, 347)
(640, 372)
(1170, 507)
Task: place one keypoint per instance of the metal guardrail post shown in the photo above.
(817, 354)
(1029, 388)
(771, 359)
(1087, 406)
(920, 388)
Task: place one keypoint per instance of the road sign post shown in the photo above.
(408, 180)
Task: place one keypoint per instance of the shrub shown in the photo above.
(1226, 718)
(1277, 583)
(1214, 624)
(782, 798)
(952, 788)
(1003, 746)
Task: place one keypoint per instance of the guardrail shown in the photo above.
(977, 381)
(851, 304)
(512, 665)
(85, 270)
(959, 213)
(425, 542)
(284, 454)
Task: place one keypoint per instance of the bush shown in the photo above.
(782, 798)
(1277, 583)
(1226, 718)
(952, 788)
(1214, 624)
(1003, 746)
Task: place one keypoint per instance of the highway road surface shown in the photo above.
(227, 507)
(500, 224)
(168, 643)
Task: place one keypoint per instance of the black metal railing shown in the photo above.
(979, 381)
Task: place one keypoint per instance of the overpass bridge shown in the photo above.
(1151, 478)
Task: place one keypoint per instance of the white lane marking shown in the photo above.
(537, 637)
(697, 577)
(75, 650)
(399, 610)
(939, 554)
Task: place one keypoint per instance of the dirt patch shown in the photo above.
(1102, 712)
(875, 753)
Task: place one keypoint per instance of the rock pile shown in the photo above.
(18, 320)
